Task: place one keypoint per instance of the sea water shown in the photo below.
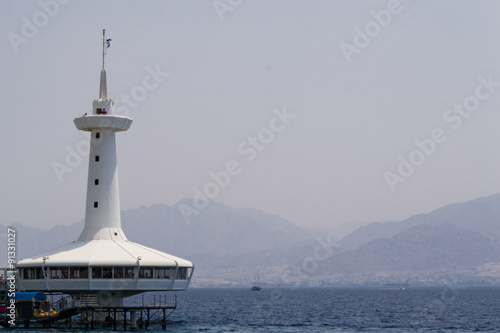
(436, 309)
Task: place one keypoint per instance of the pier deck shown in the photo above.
(96, 316)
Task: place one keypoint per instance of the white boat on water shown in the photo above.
(256, 286)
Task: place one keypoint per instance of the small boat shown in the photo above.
(256, 286)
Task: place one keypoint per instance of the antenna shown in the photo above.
(103, 46)
(103, 90)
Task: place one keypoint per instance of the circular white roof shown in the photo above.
(104, 253)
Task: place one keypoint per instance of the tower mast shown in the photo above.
(103, 90)
(103, 46)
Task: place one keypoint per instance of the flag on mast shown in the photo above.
(108, 43)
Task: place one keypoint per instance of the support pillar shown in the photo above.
(124, 320)
(164, 321)
(133, 319)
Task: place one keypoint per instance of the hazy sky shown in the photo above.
(362, 80)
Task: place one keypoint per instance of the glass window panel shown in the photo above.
(55, 272)
(145, 273)
(64, 272)
(97, 272)
(107, 272)
(129, 272)
(74, 272)
(158, 273)
(118, 272)
(182, 273)
(38, 273)
(84, 272)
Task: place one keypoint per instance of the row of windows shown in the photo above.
(36, 273)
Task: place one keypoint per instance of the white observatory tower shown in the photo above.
(102, 261)
(102, 214)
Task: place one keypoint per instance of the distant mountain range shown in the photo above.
(421, 248)
(481, 215)
(227, 245)
(216, 238)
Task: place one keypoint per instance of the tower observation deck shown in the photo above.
(103, 261)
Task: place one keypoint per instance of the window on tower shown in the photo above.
(97, 135)
(97, 158)
(96, 204)
(96, 182)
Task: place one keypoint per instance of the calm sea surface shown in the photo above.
(438, 309)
